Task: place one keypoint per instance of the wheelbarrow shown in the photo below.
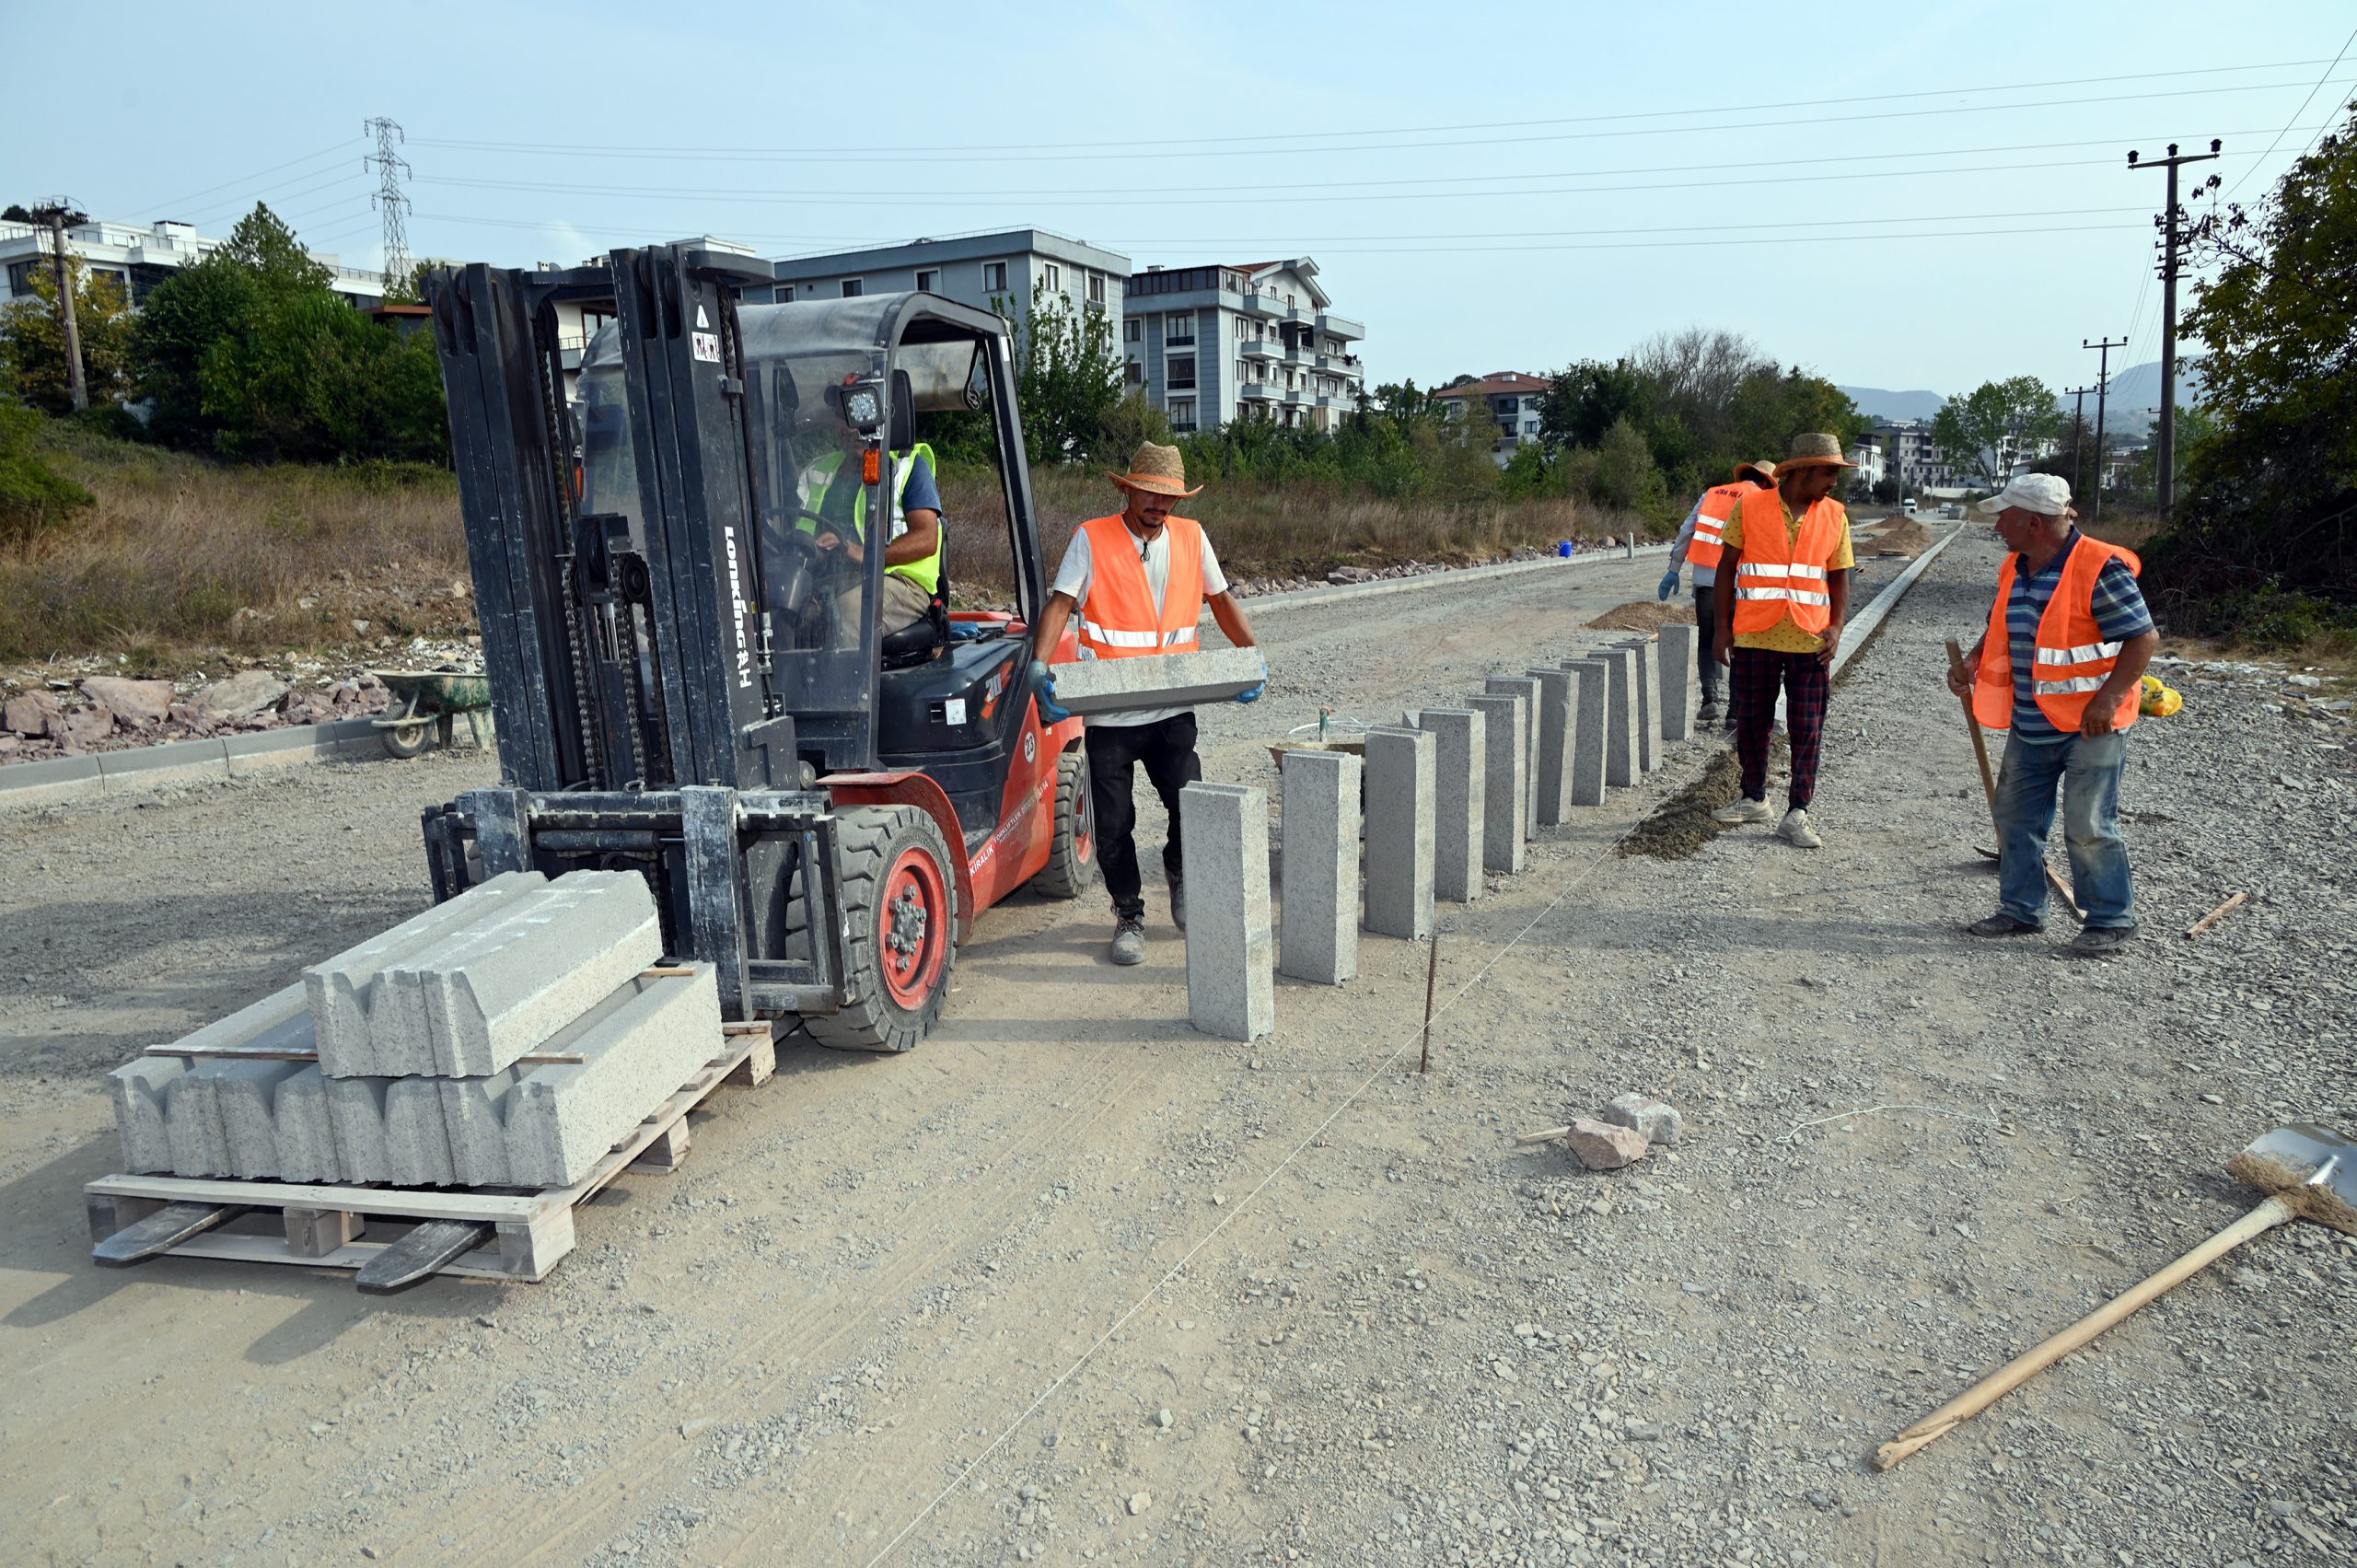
(426, 704)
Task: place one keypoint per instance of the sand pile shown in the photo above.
(1644, 615)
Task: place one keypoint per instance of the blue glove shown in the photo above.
(1253, 695)
(1049, 712)
(1668, 584)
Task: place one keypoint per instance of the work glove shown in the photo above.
(1049, 712)
(1254, 694)
(1668, 584)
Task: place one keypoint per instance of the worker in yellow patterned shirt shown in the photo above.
(1788, 556)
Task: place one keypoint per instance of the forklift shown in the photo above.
(686, 681)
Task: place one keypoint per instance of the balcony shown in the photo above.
(1257, 348)
(1340, 326)
(1255, 390)
(1296, 395)
(1254, 304)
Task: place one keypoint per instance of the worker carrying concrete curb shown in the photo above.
(1700, 541)
(2062, 666)
(1139, 580)
(1787, 553)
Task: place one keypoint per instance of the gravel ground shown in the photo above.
(1071, 1283)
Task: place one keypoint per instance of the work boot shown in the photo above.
(1128, 940)
(1794, 830)
(1742, 811)
(1712, 712)
(2102, 940)
(1178, 902)
(2003, 924)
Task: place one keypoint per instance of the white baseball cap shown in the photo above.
(2046, 493)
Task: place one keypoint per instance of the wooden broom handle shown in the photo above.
(1988, 786)
(2028, 1364)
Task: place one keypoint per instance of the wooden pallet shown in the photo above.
(331, 1225)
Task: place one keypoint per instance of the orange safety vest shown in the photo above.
(1121, 618)
(1780, 574)
(2071, 661)
(1710, 515)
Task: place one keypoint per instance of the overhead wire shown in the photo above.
(341, 146)
(2297, 113)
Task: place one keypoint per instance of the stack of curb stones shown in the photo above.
(402, 1059)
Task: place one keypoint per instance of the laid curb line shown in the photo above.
(1298, 598)
(101, 773)
(1854, 635)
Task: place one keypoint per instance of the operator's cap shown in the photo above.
(2046, 494)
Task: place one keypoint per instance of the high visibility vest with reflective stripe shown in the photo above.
(1121, 618)
(1711, 517)
(1780, 574)
(2072, 660)
(821, 475)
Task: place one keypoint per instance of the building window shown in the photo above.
(850, 288)
(994, 277)
(1130, 332)
(1055, 276)
(1178, 327)
(929, 281)
(1097, 288)
(1182, 415)
(1178, 375)
(1136, 374)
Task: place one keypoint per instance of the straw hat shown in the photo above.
(1157, 471)
(1766, 470)
(1817, 450)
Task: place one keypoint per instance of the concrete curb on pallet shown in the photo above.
(176, 761)
(1300, 598)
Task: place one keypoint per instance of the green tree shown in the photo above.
(32, 339)
(1625, 474)
(1068, 372)
(33, 499)
(1996, 423)
(1585, 399)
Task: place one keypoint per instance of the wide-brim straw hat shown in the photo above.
(1157, 471)
(1765, 470)
(1816, 450)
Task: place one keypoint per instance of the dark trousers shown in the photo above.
(1756, 674)
(1706, 616)
(1167, 746)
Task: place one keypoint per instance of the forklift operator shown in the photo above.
(912, 553)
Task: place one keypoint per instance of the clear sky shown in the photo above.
(1913, 196)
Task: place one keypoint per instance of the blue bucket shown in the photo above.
(1563, 547)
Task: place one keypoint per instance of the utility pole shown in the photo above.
(2171, 224)
(2103, 389)
(389, 199)
(2078, 435)
(53, 212)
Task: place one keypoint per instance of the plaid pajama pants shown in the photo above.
(1755, 674)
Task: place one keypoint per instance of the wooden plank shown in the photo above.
(236, 1247)
(665, 1153)
(759, 1066)
(315, 1233)
(457, 1204)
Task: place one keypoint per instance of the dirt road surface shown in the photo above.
(1071, 1283)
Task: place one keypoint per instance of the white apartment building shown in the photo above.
(1211, 345)
(1910, 452)
(985, 271)
(1508, 398)
(140, 258)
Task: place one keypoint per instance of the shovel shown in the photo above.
(1988, 786)
(2307, 1173)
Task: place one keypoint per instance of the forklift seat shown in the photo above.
(922, 639)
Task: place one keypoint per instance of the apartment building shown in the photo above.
(1509, 399)
(973, 269)
(1213, 344)
(140, 258)
(1910, 454)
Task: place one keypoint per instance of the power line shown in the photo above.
(2295, 113)
(575, 150)
(240, 205)
(244, 178)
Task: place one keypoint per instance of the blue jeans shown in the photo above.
(2089, 774)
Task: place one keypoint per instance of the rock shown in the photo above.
(1162, 1418)
(1602, 1147)
(360, 628)
(1642, 1431)
(1659, 1123)
(240, 696)
(134, 702)
(90, 723)
(35, 713)
(1350, 575)
(1140, 1501)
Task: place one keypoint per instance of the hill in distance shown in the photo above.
(2134, 388)
(1882, 403)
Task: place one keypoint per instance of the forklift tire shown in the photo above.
(899, 901)
(1071, 860)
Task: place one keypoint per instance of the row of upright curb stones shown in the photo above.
(1449, 795)
(509, 1036)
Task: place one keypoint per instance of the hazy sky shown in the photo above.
(1899, 196)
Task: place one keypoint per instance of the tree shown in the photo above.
(1996, 424)
(32, 498)
(32, 338)
(1625, 475)
(2269, 498)
(1069, 374)
(1585, 399)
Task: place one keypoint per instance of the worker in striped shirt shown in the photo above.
(2065, 678)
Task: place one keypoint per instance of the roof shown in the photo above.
(1497, 384)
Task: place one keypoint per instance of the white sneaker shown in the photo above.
(1743, 810)
(1794, 830)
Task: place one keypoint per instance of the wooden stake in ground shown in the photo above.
(1431, 974)
(1989, 785)
(2215, 915)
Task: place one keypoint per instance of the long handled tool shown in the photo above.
(1989, 783)
(2307, 1173)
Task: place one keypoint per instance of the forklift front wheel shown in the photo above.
(900, 904)
(1072, 857)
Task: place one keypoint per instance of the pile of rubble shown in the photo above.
(107, 712)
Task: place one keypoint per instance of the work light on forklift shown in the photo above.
(863, 405)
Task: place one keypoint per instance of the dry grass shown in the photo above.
(180, 553)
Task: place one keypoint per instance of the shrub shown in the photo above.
(33, 498)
